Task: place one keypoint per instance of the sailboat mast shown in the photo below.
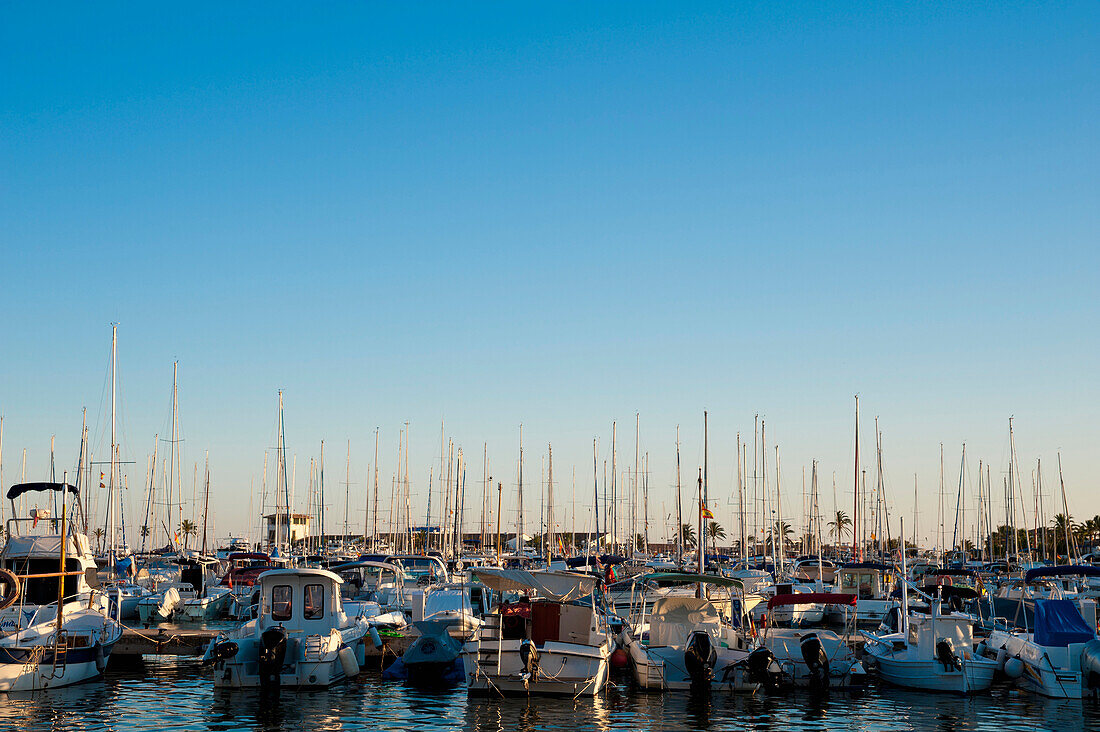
(614, 485)
(1071, 554)
(857, 553)
(374, 524)
(205, 501)
(347, 490)
(549, 504)
(519, 498)
(779, 545)
(114, 460)
(679, 502)
(595, 494)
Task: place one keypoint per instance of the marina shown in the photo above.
(482, 367)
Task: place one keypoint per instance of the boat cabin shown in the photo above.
(305, 600)
(36, 550)
(865, 580)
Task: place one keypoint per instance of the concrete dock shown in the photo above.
(139, 642)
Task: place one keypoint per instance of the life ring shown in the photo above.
(12, 588)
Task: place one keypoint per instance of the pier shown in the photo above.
(193, 642)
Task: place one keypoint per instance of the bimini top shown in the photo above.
(1065, 570)
(1059, 623)
(868, 565)
(559, 586)
(20, 488)
(687, 578)
(952, 572)
(274, 574)
(812, 598)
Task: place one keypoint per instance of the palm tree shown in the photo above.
(840, 526)
(782, 530)
(689, 535)
(188, 528)
(1064, 531)
(715, 531)
(98, 534)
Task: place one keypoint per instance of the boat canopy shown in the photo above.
(868, 565)
(687, 578)
(559, 586)
(1064, 570)
(273, 574)
(953, 572)
(1059, 623)
(20, 488)
(947, 592)
(812, 598)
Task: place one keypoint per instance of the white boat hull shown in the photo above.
(564, 669)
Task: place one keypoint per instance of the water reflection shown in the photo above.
(174, 695)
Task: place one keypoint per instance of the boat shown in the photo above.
(680, 642)
(60, 628)
(210, 601)
(158, 607)
(553, 640)
(1060, 659)
(375, 590)
(817, 658)
(933, 651)
(301, 638)
(870, 583)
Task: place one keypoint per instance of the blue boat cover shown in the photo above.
(1059, 623)
(1065, 570)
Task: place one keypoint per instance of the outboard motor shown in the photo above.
(699, 658)
(1090, 664)
(945, 653)
(272, 653)
(817, 661)
(891, 622)
(762, 668)
(220, 651)
(529, 657)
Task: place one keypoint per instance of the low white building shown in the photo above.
(299, 527)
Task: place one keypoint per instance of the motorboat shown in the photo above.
(1060, 658)
(60, 628)
(817, 658)
(933, 651)
(210, 600)
(554, 640)
(683, 641)
(870, 583)
(301, 638)
(376, 591)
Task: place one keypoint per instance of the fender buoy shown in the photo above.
(12, 588)
(349, 662)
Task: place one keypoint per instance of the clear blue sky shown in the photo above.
(559, 216)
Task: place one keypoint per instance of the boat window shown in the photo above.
(281, 608)
(313, 607)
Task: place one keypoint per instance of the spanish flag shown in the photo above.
(707, 513)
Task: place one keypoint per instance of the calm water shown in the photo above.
(178, 695)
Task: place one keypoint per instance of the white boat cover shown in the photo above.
(48, 545)
(560, 586)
